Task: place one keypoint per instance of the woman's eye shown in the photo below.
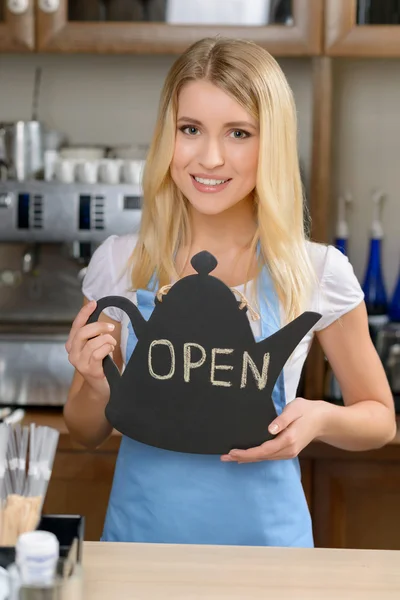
(239, 134)
(190, 130)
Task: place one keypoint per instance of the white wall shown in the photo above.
(113, 100)
(109, 99)
(366, 154)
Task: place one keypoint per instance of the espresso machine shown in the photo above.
(48, 232)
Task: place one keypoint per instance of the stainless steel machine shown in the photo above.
(48, 232)
(38, 211)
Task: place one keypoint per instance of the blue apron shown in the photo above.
(171, 497)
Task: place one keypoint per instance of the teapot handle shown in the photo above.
(138, 323)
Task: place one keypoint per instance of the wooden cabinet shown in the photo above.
(53, 27)
(353, 503)
(306, 479)
(17, 30)
(356, 504)
(353, 496)
(344, 37)
(81, 484)
(56, 33)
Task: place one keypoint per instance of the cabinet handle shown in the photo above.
(17, 7)
(49, 6)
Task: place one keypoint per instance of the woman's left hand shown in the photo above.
(299, 423)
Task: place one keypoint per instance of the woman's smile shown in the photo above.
(210, 184)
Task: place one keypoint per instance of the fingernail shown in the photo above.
(111, 326)
(273, 428)
(92, 302)
(233, 452)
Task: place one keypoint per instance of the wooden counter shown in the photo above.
(354, 497)
(151, 572)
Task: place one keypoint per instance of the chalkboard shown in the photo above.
(197, 380)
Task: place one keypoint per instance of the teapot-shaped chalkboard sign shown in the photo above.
(197, 380)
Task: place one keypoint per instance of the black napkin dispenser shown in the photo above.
(69, 530)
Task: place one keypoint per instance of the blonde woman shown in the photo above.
(222, 174)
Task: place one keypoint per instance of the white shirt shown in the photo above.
(336, 292)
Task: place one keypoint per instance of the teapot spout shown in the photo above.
(286, 339)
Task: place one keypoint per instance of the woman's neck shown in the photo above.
(232, 230)
(228, 237)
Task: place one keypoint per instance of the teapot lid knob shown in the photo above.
(204, 262)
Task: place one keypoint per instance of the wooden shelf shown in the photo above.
(343, 37)
(17, 32)
(56, 34)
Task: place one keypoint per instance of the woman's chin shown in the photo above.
(208, 209)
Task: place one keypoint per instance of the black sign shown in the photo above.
(197, 380)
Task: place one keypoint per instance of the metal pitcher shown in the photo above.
(21, 149)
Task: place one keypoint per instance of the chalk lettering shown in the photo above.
(214, 367)
(172, 352)
(260, 379)
(187, 359)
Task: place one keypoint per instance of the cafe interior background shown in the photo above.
(79, 89)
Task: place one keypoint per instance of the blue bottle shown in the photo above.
(394, 307)
(374, 286)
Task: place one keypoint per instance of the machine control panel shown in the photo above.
(29, 211)
(53, 212)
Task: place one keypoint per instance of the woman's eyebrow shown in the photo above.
(230, 124)
(195, 121)
(241, 124)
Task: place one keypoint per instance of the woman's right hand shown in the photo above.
(88, 345)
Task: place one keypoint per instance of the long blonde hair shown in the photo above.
(250, 75)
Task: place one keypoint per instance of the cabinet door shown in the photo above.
(356, 504)
(362, 28)
(285, 27)
(80, 484)
(306, 479)
(16, 25)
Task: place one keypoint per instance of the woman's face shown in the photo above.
(216, 149)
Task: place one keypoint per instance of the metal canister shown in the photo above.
(23, 151)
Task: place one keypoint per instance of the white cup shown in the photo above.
(64, 170)
(51, 157)
(87, 171)
(109, 171)
(132, 171)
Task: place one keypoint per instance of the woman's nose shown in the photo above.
(212, 154)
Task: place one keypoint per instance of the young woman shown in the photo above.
(222, 174)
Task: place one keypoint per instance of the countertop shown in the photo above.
(155, 571)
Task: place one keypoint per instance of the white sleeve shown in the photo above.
(101, 278)
(340, 290)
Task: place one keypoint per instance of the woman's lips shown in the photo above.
(207, 188)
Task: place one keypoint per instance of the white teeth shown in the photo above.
(210, 181)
